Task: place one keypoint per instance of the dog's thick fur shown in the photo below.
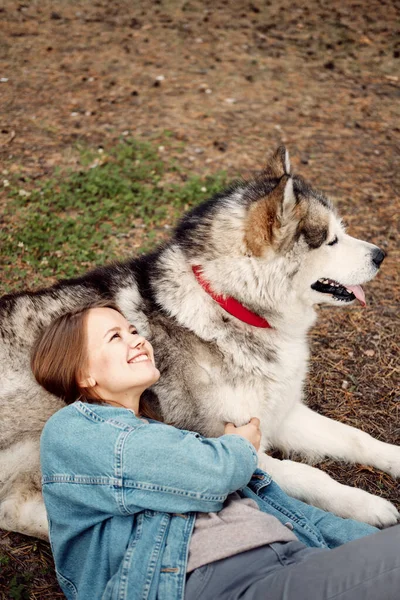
(266, 243)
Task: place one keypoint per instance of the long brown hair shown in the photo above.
(59, 355)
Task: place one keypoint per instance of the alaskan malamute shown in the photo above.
(227, 304)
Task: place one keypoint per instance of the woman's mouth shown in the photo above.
(138, 358)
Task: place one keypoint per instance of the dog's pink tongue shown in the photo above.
(358, 292)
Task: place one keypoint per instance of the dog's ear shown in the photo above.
(278, 165)
(288, 201)
(273, 220)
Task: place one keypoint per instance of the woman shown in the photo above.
(138, 509)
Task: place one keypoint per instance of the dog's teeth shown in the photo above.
(325, 281)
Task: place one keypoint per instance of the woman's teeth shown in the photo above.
(140, 358)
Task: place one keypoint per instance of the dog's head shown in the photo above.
(279, 238)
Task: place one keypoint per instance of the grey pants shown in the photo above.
(366, 569)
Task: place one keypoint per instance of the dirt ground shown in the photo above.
(231, 80)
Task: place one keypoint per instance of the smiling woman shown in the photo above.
(94, 354)
(120, 362)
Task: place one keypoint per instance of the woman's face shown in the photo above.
(120, 363)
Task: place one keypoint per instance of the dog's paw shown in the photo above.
(385, 457)
(393, 460)
(381, 513)
(372, 509)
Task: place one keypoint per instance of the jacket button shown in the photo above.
(289, 526)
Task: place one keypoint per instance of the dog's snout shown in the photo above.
(377, 257)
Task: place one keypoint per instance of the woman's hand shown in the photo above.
(251, 431)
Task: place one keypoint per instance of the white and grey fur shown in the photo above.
(264, 242)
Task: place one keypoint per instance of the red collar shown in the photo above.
(232, 306)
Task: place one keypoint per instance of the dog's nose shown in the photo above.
(377, 257)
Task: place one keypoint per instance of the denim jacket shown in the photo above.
(122, 493)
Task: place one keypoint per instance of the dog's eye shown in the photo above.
(334, 241)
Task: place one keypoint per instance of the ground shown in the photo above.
(216, 85)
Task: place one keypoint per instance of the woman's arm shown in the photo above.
(171, 470)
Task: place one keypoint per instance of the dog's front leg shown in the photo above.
(316, 437)
(316, 487)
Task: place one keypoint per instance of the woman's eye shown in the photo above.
(334, 241)
(116, 335)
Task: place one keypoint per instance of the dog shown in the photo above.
(227, 304)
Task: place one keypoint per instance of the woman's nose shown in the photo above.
(136, 340)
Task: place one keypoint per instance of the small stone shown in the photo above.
(364, 40)
(161, 148)
(221, 146)
(203, 189)
(95, 163)
(135, 23)
(230, 100)
(74, 114)
(345, 384)
(369, 353)
(3, 79)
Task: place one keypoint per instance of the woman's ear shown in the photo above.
(88, 382)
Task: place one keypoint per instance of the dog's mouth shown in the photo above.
(343, 293)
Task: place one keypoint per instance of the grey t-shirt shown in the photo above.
(238, 527)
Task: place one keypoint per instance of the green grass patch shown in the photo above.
(76, 220)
